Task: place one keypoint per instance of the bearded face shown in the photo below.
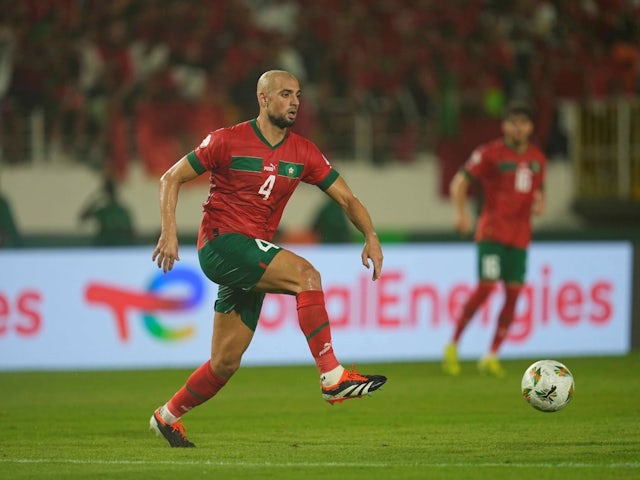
(282, 120)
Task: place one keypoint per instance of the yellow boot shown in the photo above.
(489, 365)
(450, 363)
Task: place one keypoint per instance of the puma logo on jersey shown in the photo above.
(270, 168)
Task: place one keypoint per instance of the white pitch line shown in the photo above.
(623, 465)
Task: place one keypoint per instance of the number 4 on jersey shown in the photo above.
(267, 186)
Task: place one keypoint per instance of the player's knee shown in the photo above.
(225, 365)
(309, 277)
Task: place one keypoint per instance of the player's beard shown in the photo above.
(281, 121)
(517, 142)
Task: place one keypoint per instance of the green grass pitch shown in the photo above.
(271, 423)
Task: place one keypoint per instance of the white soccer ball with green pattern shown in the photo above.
(547, 385)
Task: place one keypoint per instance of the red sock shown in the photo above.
(201, 385)
(506, 316)
(314, 322)
(476, 299)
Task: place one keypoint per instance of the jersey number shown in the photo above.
(490, 265)
(523, 180)
(267, 186)
(264, 245)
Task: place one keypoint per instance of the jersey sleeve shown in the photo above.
(478, 164)
(208, 154)
(318, 171)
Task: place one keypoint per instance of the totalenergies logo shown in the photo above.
(186, 292)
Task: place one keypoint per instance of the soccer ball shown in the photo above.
(547, 385)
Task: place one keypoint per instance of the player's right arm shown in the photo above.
(166, 251)
(458, 193)
(539, 203)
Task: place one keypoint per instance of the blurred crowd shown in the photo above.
(147, 79)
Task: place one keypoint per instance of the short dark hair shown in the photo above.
(518, 107)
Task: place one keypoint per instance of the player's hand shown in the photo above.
(373, 251)
(166, 252)
(538, 206)
(463, 223)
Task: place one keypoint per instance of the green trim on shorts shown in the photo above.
(237, 263)
(497, 261)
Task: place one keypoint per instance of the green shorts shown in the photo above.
(236, 263)
(501, 262)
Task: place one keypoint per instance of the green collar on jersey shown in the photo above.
(254, 124)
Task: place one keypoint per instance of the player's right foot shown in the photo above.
(352, 385)
(174, 433)
(450, 363)
(489, 365)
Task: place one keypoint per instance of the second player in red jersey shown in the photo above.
(511, 172)
(509, 180)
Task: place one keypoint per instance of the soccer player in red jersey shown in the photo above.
(511, 173)
(254, 168)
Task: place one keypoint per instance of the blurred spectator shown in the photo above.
(277, 16)
(7, 49)
(149, 49)
(285, 56)
(331, 224)
(9, 233)
(158, 119)
(91, 144)
(411, 72)
(115, 225)
(120, 83)
(626, 63)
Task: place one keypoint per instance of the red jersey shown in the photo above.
(251, 181)
(509, 180)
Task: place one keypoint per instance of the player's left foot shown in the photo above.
(489, 365)
(352, 385)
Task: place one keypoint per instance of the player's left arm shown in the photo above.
(355, 210)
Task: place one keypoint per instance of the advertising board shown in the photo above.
(113, 308)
